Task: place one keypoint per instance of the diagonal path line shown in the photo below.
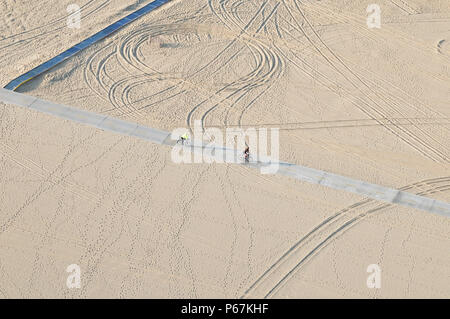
(14, 84)
(302, 173)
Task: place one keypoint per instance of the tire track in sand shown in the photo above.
(270, 282)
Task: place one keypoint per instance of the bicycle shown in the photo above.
(245, 158)
(184, 141)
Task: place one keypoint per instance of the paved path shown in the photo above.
(14, 84)
(307, 174)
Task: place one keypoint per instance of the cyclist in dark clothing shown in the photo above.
(247, 154)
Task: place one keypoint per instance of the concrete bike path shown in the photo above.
(302, 173)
